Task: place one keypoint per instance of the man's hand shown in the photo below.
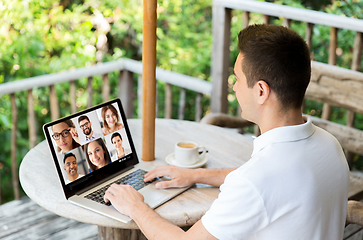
(183, 177)
(180, 177)
(124, 198)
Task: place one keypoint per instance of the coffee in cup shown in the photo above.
(187, 153)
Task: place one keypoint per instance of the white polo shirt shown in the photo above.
(295, 186)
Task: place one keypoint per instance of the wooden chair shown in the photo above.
(333, 86)
(354, 213)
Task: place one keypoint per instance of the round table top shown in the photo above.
(226, 149)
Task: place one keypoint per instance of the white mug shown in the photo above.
(187, 153)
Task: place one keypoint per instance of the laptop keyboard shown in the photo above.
(135, 179)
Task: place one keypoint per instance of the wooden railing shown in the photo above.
(127, 69)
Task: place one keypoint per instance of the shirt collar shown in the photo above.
(90, 138)
(284, 134)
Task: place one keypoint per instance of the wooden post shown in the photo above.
(53, 98)
(286, 22)
(220, 58)
(14, 165)
(125, 90)
(89, 91)
(309, 35)
(182, 98)
(198, 107)
(266, 19)
(332, 60)
(105, 87)
(245, 19)
(31, 118)
(149, 80)
(168, 101)
(73, 98)
(139, 96)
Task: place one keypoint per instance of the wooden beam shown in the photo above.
(149, 80)
(327, 109)
(286, 22)
(89, 91)
(125, 90)
(31, 119)
(198, 107)
(266, 19)
(168, 101)
(53, 98)
(220, 58)
(105, 87)
(14, 165)
(182, 99)
(73, 97)
(309, 35)
(245, 19)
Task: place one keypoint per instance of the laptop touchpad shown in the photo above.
(152, 195)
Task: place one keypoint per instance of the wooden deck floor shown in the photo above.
(24, 219)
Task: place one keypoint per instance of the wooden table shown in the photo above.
(226, 148)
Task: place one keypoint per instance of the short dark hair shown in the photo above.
(81, 118)
(280, 57)
(115, 134)
(67, 155)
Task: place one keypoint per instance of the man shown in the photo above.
(71, 167)
(86, 126)
(295, 186)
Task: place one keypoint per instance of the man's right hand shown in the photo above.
(180, 177)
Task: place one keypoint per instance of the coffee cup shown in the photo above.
(187, 153)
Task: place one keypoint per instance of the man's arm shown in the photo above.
(182, 177)
(130, 202)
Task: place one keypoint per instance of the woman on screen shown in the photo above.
(116, 140)
(65, 136)
(96, 154)
(111, 120)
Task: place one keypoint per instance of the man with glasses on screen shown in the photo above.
(86, 126)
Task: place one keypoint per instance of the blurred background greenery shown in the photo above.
(46, 36)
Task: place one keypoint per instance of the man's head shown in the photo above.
(278, 56)
(70, 166)
(85, 125)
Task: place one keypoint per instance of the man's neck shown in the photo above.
(280, 119)
(72, 178)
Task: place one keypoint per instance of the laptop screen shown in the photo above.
(89, 146)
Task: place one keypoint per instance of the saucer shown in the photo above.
(171, 161)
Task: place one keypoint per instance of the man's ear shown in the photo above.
(263, 91)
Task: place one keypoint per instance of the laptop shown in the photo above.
(91, 150)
